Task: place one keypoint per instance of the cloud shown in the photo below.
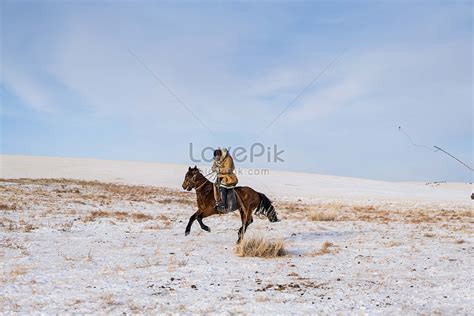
(237, 69)
(32, 91)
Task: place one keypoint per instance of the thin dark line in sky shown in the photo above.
(169, 90)
(458, 160)
(411, 140)
(437, 149)
(316, 78)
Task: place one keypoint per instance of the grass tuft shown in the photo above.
(259, 247)
(120, 215)
(323, 216)
(18, 271)
(325, 249)
(8, 207)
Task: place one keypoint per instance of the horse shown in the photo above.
(248, 200)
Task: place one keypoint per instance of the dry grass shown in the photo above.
(185, 201)
(88, 192)
(167, 223)
(325, 249)
(7, 224)
(109, 300)
(18, 271)
(382, 213)
(11, 243)
(302, 211)
(21, 226)
(89, 256)
(147, 263)
(323, 216)
(259, 247)
(174, 263)
(140, 217)
(137, 217)
(8, 207)
(393, 244)
(52, 195)
(262, 298)
(65, 190)
(464, 228)
(28, 228)
(66, 227)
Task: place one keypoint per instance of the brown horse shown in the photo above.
(248, 200)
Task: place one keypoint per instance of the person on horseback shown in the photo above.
(226, 179)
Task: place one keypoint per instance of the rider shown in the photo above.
(223, 165)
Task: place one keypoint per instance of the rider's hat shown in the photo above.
(217, 152)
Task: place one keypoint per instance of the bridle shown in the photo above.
(202, 184)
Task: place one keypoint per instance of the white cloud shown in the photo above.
(233, 73)
(32, 91)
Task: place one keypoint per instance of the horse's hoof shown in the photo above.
(186, 233)
(207, 229)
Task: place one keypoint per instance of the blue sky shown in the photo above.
(70, 85)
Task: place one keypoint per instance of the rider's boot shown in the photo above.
(221, 207)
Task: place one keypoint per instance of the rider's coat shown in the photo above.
(225, 169)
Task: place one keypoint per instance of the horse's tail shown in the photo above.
(266, 208)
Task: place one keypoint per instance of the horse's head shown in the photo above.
(189, 182)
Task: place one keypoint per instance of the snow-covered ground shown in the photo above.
(118, 245)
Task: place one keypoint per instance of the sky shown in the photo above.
(329, 83)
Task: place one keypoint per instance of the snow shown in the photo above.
(412, 255)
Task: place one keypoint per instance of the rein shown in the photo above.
(202, 184)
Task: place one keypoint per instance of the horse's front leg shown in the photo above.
(209, 211)
(190, 223)
(203, 226)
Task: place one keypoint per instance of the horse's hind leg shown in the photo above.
(239, 234)
(190, 223)
(203, 226)
(246, 221)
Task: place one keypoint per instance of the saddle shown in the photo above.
(226, 201)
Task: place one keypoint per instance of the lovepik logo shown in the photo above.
(257, 151)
